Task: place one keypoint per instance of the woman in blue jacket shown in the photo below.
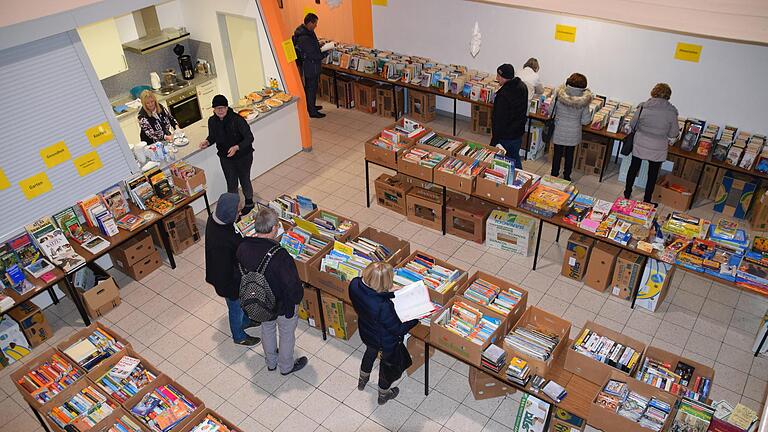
(380, 328)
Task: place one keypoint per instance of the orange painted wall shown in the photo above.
(350, 22)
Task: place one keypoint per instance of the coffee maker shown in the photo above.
(185, 62)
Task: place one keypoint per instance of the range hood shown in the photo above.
(151, 37)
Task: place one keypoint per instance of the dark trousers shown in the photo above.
(653, 174)
(311, 82)
(559, 151)
(367, 366)
(239, 170)
(512, 146)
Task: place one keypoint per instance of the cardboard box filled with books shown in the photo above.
(425, 207)
(386, 147)
(209, 420)
(499, 295)
(466, 329)
(59, 373)
(441, 278)
(68, 407)
(496, 183)
(347, 260)
(340, 317)
(305, 248)
(466, 217)
(188, 178)
(511, 231)
(162, 390)
(420, 163)
(391, 191)
(675, 374)
(330, 224)
(674, 192)
(538, 338)
(598, 351)
(32, 323)
(458, 175)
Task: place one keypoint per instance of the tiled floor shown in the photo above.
(176, 321)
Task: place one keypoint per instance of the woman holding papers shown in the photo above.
(380, 328)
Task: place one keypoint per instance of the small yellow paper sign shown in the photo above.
(565, 33)
(55, 154)
(289, 50)
(688, 52)
(34, 186)
(379, 2)
(309, 10)
(306, 225)
(99, 134)
(87, 163)
(4, 183)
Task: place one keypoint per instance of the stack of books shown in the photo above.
(435, 276)
(343, 262)
(579, 209)
(423, 157)
(605, 350)
(460, 168)
(678, 382)
(493, 358)
(518, 371)
(599, 211)
(91, 350)
(83, 410)
(372, 250)
(50, 378)
(632, 211)
(532, 341)
(468, 322)
(210, 424)
(546, 201)
(123, 424)
(492, 296)
(445, 143)
(301, 244)
(125, 379)
(163, 408)
(54, 244)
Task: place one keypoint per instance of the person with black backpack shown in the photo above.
(270, 291)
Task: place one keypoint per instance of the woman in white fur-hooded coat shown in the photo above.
(571, 113)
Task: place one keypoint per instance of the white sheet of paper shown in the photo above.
(412, 302)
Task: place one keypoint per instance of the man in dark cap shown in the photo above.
(221, 243)
(234, 145)
(510, 112)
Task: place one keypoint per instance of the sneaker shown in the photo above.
(297, 365)
(387, 395)
(249, 341)
(317, 115)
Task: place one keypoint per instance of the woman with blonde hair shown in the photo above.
(380, 328)
(155, 122)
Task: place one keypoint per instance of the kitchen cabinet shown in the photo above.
(102, 43)
(205, 94)
(130, 126)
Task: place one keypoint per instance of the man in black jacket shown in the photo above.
(283, 279)
(234, 145)
(309, 57)
(510, 113)
(221, 264)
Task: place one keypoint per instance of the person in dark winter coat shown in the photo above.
(309, 55)
(380, 328)
(283, 279)
(510, 113)
(571, 113)
(221, 264)
(234, 146)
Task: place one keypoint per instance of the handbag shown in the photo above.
(394, 366)
(549, 126)
(629, 140)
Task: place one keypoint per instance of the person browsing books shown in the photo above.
(571, 113)
(155, 122)
(284, 282)
(380, 328)
(234, 146)
(655, 126)
(510, 112)
(221, 264)
(530, 76)
(309, 55)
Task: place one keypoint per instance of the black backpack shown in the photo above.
(256, 296)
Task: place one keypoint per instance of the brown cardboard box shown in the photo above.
(493, 150)
(500, 193)
(391, 191)
(425, 207)
(758, 219)
(416, 350)
(350, 233)
(456, 182)
(385, 103)
(465, 217)
(105, 366)
(601, 263)
(437, 297)
(25, 367)
(66, 395)
(382, 156)
(325, 87)
(32, 323)
(340, 318)
(205, 413)
(415, 170)
(576, 256)
(626, 274)
(161, 381)
(607, 420)
(484, 386)
(593, 370)
(130, 252)
(191, 185)
(457, 345)
(309, 309)
(83, 333)
(590, 158)
(564, 421)
(140, 269)
(421, 106)
(119, 413)
(541, 319)
(514, 315)
(664, 194)
(700, 370)
(103, 297)
(345, 92)
(481, 119)
(182, 229)
(303, 266)
(365, 96)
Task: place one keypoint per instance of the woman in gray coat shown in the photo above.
(655, 129)
(571, 113)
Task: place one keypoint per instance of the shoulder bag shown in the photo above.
(629, 140)
(549, 125)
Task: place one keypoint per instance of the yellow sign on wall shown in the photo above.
(379, 2)
(290, 50)
(55, 154)
(87, 163)
(4, 183)
(99, 134)
(565, 33)
(309, 10)
(688, 52)
(34, 186)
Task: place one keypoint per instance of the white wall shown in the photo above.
(728, 85)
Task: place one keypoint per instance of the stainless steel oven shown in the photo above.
(185, 107)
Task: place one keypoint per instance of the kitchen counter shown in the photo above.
(126, 97)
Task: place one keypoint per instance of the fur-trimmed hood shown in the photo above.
(573, 97)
